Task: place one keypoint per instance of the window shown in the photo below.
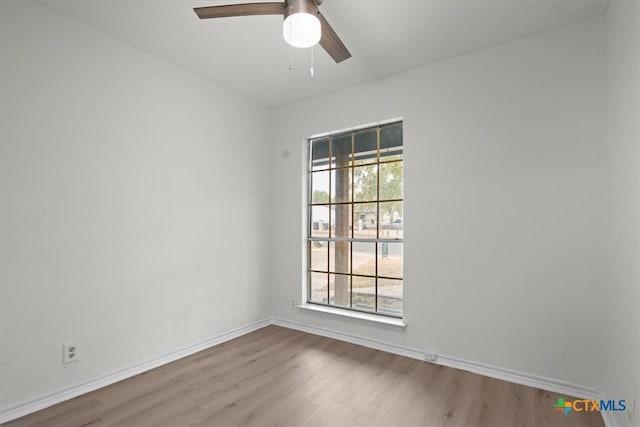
(355, 233)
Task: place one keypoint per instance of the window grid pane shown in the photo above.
(355, 231)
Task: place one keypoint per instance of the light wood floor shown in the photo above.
(280, 377)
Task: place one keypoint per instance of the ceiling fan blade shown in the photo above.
(331, 42)
(245, 9)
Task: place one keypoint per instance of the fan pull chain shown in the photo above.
(311, 61)
(290, 58)
(290, 47)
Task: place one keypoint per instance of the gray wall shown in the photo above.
(505, 202)
(621, 335)
(129, 187)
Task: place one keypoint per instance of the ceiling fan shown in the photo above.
(304, 25)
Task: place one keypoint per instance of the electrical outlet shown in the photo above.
(293, 302)
(431, 357)
(70, 353)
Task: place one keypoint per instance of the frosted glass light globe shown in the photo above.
(301, 29)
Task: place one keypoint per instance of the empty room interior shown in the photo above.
(205, 207)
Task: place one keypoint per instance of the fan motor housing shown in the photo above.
(300, 6)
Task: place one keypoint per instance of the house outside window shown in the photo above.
(355, 220)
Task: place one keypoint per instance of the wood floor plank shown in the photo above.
(280, 377)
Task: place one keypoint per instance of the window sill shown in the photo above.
(374, 318)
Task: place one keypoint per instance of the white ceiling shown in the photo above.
(248, 55)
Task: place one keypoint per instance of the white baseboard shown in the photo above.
(553, 385)
(557, 386)
(531, 380)
(25, 408)
(353, 339)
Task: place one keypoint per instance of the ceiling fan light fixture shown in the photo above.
(301, 29)
(304, 25)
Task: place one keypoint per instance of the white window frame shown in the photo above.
(327, 307)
